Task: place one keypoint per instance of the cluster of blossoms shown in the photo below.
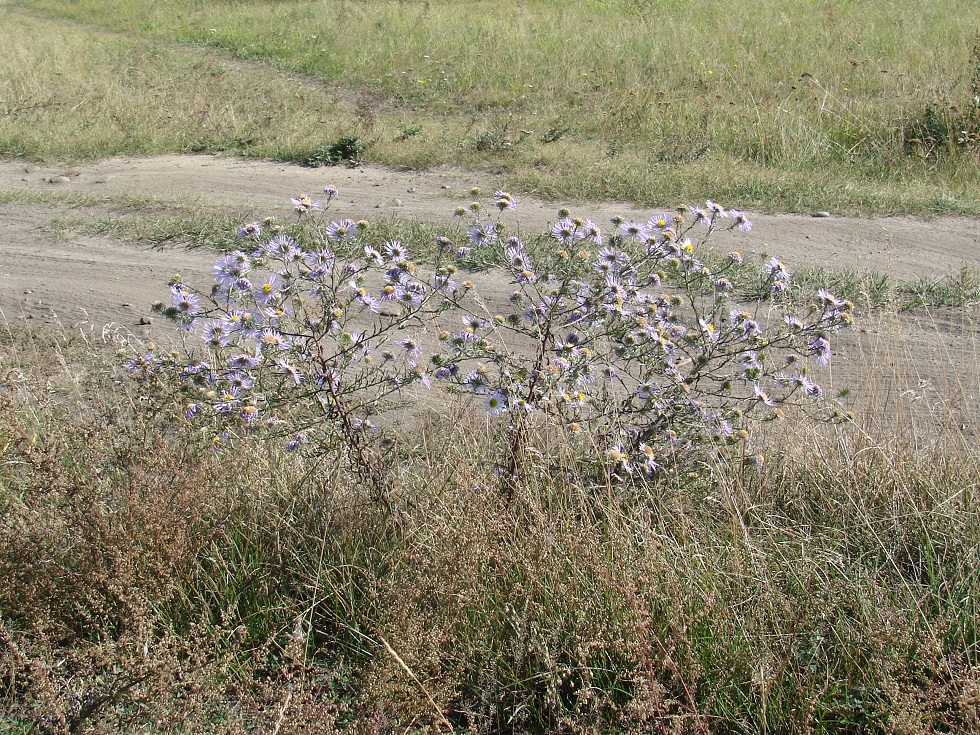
(636, 342)
(300, 340)
(628, 338)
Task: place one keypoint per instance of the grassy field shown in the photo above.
(853, 107)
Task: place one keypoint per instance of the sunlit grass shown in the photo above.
(772, 105)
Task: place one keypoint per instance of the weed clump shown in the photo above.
(347, 150)
(944, 127)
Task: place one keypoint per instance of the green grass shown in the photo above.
(792, 107)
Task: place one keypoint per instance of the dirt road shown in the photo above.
(926, 358)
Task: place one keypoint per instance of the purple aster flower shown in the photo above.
(280, 245)
(649, 463)
(482, 233)
(761, 395)
(252, 229)
(413, 348)
(718, 425)
(634, 231)
(396, 276)
(418, 374)
(291, 370)
(590, 231)
(187, 303)
(392, 292)
(517, 257)
(323, 257)
(716, 210)
(819, 347)
(777, 269)
(708, 330)
(446, 371)
(793, 322)
(618, 459)
(227, 400)
(343, 231)
(240, 380)
(611, 259)
(412, 295)
(565, 231)
(828, 299)
(331, 191)
(473, 323)
(243, 362)
(504, 200)
(249, 413)
(396, 252)
(443, 283)
(646, 391)
(476, 381)
(266, 290)
(368, 301)
(239, 321)
(304, 204)
(191, 411)
(806, 386)
(229, 268)
(273, 338)
(740, 221)
(296, 442)
(196, 366)
(215, 334)
(743, 322)
(374, 255)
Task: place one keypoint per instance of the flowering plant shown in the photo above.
(628, 340)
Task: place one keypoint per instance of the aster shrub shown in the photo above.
(640, 349)
(630, 343)
(290, 342)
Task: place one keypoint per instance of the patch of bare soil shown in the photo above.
(924, 360)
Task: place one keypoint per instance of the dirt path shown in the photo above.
(90, 279)
(926, 359)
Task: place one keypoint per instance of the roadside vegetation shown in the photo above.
(773, 105)
(154, 585)
(249, 561)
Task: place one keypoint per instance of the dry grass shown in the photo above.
(155, 585)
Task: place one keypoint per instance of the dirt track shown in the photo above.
(85, 278)
(928, 358)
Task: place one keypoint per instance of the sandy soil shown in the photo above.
(927, 359)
